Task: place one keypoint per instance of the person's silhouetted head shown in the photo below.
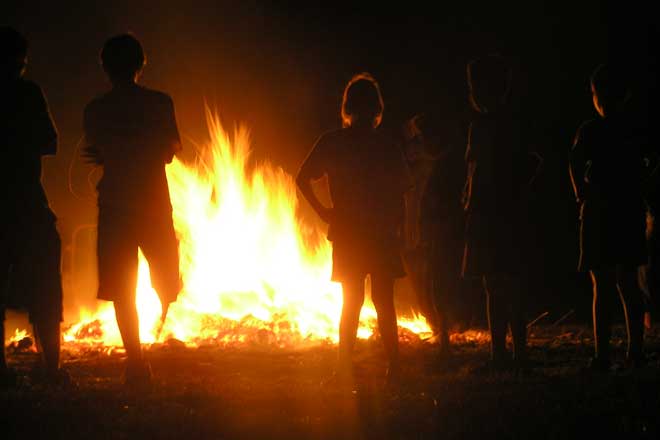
(489, 83)
(362, 103)
(609, 89)
(13, 53)
(123, 58)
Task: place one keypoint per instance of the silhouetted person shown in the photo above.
(367, 178)
(607, 170)
(443, 226)
(435, 221)
(30, 257)
(132, 133)
(420, 163)
(499, 172)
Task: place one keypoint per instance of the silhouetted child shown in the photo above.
(499, 172)
(367, 178)
(607, 170)
(132, 133)
(420, 164)
(443, 224)
(434, 220)
(30, 254)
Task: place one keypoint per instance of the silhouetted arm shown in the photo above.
(173, 139)
(91, 152)
(406, 184)
(43, 134)
(578, 165)
(312, 169)
(470, 168)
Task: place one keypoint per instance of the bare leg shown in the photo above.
(3, 359)
(444, 285)
(448, 254)
(632, 299)
(443, 328)
(353, 291)
(517, 320)
(604, 291)
(420, 271)
(4, 278)
(47, 332)
(125, 271)
(127, 320)
(382, 295)
(7, 376)
(497, 321)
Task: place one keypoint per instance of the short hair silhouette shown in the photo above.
(362, 100)
(13, 51)
(610, 86)
(122, 57)
(489, 82)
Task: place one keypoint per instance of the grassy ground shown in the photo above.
(267, 393)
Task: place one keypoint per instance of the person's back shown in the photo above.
(26, 133)
(364, 169)
(614, 174)
(502, 166)
(135, 131)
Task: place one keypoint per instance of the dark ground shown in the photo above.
(261, 392)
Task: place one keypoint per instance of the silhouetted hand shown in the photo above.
(92, 156)
(165, 307)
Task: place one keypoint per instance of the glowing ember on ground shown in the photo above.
(252, 271)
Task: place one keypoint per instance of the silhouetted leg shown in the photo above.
(439, 292)
(7, 376)
(46, 311)
(353, 294)
(419, 270)
(497, 320)
(516, 295)
(632, 299)
(128, 323)
(604, 294)
(443, 329)
(382, 295)
(161, 249)
(47, 332)
(4, 279)
(446, 276)
(652, 270)
(118, 270)
(3, 359)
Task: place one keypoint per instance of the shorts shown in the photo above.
(352, 259)
(612, 236)
(30, 264)
(119, 236)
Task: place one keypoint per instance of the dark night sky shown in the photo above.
(281, 68)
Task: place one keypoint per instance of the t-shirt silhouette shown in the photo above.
(134, 131)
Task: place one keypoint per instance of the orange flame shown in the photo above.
(252, 271)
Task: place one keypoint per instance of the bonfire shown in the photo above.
(253, 271)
